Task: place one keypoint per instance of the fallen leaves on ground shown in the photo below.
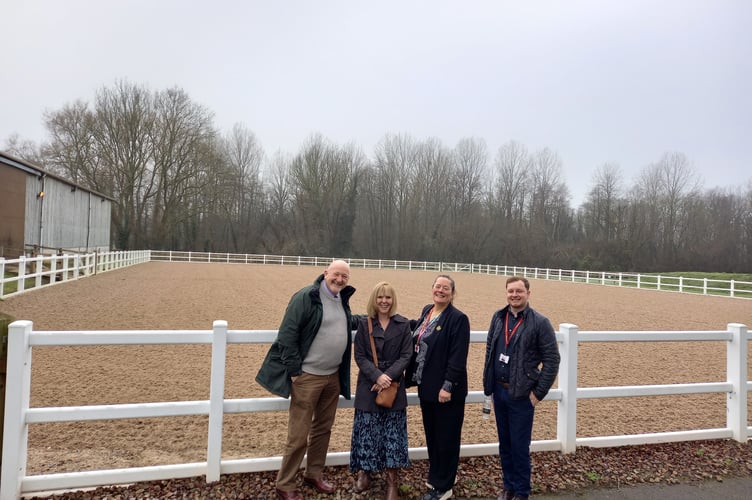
(480, 477)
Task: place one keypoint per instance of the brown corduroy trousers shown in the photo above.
(313, 406)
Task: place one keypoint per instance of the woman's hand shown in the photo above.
(382, 382)
(444, 396)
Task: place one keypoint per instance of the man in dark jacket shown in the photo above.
(310, 363)
(520, 340)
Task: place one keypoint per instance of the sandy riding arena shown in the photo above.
(165, 296)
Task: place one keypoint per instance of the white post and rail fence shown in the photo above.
(28, 273)
(22, 338)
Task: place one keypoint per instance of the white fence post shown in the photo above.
(15, 430)
(65, 267)
(21, 283)
(216, 401)
(39, 270)
(53, 269)
(567, 408)
(736, 375)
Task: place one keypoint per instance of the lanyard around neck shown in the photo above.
(507, 334)
(426, 324)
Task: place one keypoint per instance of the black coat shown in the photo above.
(394, 348)
(534, 343)
(446, 357)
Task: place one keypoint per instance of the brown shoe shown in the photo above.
(363, 482)
(289, 495)
(320, 484)
(506, 495)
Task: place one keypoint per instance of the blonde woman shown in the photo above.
(379, 436)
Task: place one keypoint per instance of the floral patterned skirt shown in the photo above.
(379, 441)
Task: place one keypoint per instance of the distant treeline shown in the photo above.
(181, 184)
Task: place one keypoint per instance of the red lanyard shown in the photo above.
(507, 334)
(426, 324)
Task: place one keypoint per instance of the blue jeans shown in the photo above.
(514, 423)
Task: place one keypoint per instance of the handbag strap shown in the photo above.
(373, 344)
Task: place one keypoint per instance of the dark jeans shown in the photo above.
(514, 423)
(443, 425)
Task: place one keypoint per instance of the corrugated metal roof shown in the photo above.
(31, 168)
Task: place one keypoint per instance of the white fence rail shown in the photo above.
(44, 270)
(704, 286)
(28, 273)
(18, 415)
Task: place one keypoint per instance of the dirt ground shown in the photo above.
(165, 296)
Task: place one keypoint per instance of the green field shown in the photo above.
(11, 286)
(687, 282)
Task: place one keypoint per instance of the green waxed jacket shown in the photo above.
(299, 327)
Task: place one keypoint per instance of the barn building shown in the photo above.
(43, 213)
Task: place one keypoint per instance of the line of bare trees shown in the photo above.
(180, 184)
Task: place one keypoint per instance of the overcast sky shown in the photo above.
(595, 81)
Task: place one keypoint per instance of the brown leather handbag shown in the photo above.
(385, 397)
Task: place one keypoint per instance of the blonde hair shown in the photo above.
(382, 288)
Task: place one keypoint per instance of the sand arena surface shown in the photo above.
(166, 296)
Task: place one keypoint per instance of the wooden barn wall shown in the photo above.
(12, 210)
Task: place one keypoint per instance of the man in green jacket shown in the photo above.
(310, 363)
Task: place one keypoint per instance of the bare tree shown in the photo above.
(24, 149)
(469, 228)
(429, 201)
(125, 119)
(280, 231)
(245, 206)
(72, 149)
(512, 168)
(385, 194)
(715, 233)
(601, 203)
(182, 129)
(177, 184)
(549, 199)
(203, 225)
(325, 178)
(471, 159)
(662, 189)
